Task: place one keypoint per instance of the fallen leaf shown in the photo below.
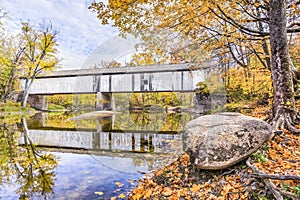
(195, 188)
(119, 184)
(167, 191)
(99, 193)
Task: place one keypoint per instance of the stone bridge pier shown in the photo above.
(105, 101)
(38, 102)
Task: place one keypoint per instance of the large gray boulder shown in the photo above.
(221, 140)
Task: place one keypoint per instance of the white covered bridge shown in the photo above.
(105, 81)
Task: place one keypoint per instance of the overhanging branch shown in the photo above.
(240, 27)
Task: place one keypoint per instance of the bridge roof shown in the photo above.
(123, 70)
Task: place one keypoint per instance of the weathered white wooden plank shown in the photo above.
(123, 70)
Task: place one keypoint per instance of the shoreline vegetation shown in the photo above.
(15, 109)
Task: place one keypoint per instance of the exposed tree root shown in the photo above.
(276, 176)
(286, 120)
(277, 193)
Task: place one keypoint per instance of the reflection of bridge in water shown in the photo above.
(148, 151)
(103, 139)
(107, 141)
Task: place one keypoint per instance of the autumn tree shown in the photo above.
(9, 56)
(237, 30)
(11, 52)
(39, 54)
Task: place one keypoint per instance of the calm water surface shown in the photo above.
(76, 156)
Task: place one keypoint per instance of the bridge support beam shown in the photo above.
(105, 101)
(38, 102)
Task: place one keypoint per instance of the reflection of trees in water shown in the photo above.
(146, 120)
(172, 122)
(140, 118)
(160, 121)
(34, 171)
(52, 119)
(153, 99)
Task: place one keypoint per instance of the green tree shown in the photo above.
(236, 30)
(39, 54)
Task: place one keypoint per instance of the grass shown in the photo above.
(55, 107)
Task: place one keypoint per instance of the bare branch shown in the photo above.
(293, 24)
(256, 18)
(296, 30)
(240, 27)
(259, 58)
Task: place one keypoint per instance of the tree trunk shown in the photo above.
(25, 97)
(28, 84)
(9, 86)
(284, 111)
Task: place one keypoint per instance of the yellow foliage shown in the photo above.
(226, 31)
(119, 184)
(294, 51)
(247, 82)
(121, 196)
(99, 193)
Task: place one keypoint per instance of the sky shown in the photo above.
(83, 41)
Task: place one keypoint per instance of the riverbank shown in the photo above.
(12, 112)
(257, 178)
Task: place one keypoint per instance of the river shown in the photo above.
(67, 156)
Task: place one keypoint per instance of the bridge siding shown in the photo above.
(184, 81)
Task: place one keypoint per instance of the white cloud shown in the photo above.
(80, 32)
